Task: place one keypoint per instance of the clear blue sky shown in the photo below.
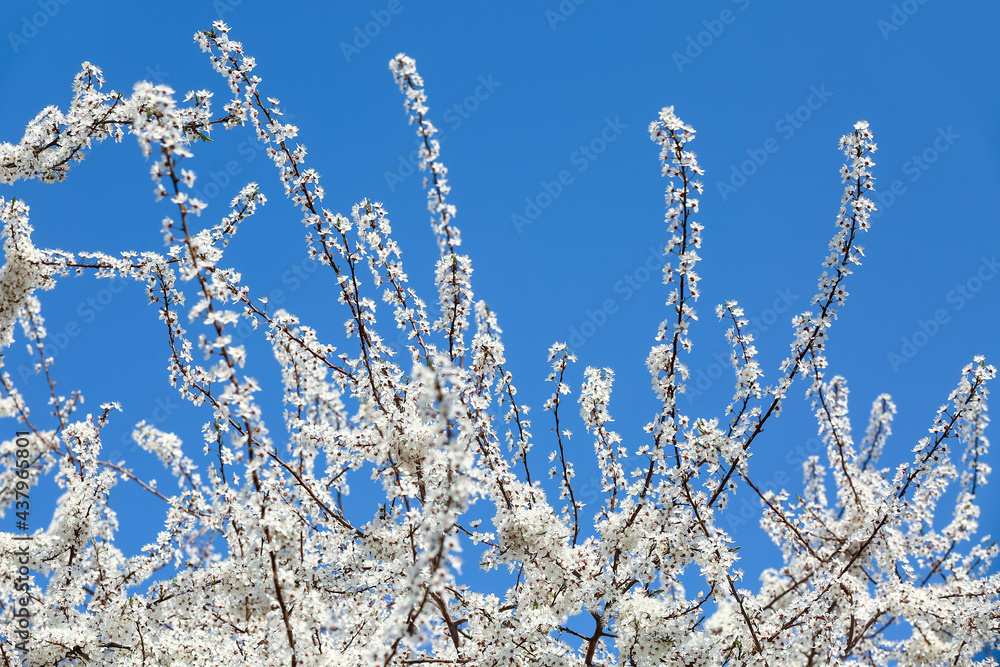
(522, 93)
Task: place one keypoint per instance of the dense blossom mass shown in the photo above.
(867, 576)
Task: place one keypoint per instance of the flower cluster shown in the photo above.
(259, 562)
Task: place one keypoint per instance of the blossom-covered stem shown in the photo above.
(411, 84)
(249, 429)
(237, 68)
(454, 269)
(834, 425)
(879, 429)
(968, 403)
(594, 397)
(678, 216)
(811, 332)
(560, 359)
(667, 371)
(747, 369)
(331, 246)
(60, 412)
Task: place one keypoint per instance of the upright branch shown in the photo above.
(811, 329)
(452, 275)
(664, 364)
(560, 358)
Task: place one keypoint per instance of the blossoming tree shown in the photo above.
(866, 576)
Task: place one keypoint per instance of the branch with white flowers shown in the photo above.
(267, 557)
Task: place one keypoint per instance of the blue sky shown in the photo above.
(547, 105)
